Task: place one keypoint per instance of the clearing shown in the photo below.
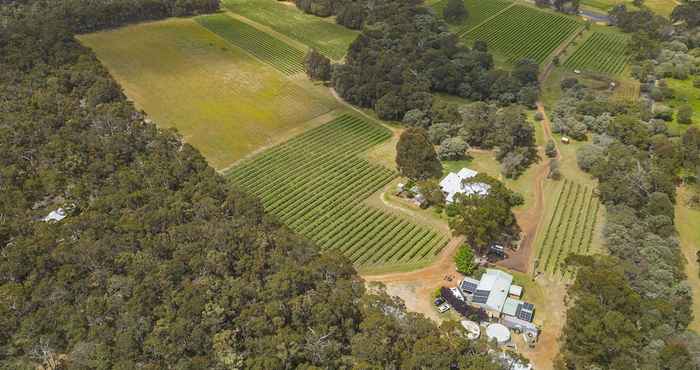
(316, 184)
(688, 224)
(685, 93)
(324, 35)
(661, 7)
(216, 94)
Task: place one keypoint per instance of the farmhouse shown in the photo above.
(454, 183)
(499, 297)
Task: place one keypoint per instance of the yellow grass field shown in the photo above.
(222, 100)
(688, 224)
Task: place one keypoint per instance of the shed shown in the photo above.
(516, 291)
(510, 307)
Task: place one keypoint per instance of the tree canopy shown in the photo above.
(416, 157)
(159, 262)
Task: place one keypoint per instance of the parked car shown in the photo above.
(440, 300)
(444, 308)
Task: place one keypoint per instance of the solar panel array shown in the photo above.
(525, 312)
(481, 296)
(469, 287)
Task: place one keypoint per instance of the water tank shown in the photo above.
(498, 332)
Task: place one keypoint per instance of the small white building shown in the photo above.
(453, 184)
(55, 216)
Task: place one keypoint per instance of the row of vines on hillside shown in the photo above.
(569, 230)
(315, 183)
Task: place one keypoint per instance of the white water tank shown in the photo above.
(498, 332)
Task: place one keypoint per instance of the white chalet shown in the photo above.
(453, 184)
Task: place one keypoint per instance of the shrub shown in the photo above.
(663, 112)
(539, 116)
(588, 155)
(550, 149)
(685, 114)
(465, 260)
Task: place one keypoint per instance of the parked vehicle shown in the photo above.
(444, 308)
(439, 301)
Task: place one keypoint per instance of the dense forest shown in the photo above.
(159, 263)
(405, 53)
(631, 309)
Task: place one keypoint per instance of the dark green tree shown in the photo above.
(455, 11)
(416, 157)
(317, 66)
(488, 219)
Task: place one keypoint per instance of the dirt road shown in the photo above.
(529, 219)
(416, 288)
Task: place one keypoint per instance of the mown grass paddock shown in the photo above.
(315, 183)
(601, 52)
(569, 229)
(268, 49)
(222, 100)
(524, 32)
(321, 34)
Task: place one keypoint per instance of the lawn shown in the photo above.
(684, 93)
(215, 94)
(524, 32)
(316, 184)
(322, 34)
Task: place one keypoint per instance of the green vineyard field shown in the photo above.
(315, 183)
(523, 32)
(329, 38)
(602, 52)
(479, 11)
(569, 230)
(270, 50)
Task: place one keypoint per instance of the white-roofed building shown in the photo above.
(55, 216)
(496, 294)
(453, 184)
